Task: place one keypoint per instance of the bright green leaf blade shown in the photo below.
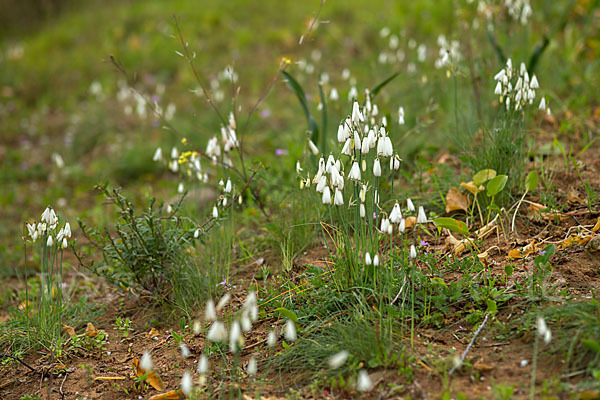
(532, 181)
(293, 84)
(287, 314)
(496, 185)
(483, 176)
(452, 224)
(382, 84)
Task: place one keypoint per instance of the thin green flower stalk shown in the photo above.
(52, 241)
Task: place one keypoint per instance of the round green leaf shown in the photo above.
(532, 181)
(483, 176)
(496, 185)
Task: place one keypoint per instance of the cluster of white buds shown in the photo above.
(543, 330)
(519, 10)
(47, 226)
(449, 52)
(515, 89)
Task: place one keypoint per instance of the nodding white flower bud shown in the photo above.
(543, 330)
(363, 193)
(380, 146)
(500, 75)
(357, 141)
(146, 361)
(522, 69)
(186, 383)
(31, 229)
(402, 226)
(498, 89)
(364, 383)
(215, 212)
(368, 260)
(321, 184)
(353, 93)
(196, 327)
(409, 205)
(290, 331)
(366, 145)
(362, 211)
(354, 173)
(196, 233)
(376, 167)
(421, 217)
(347, 149)
(338, 359)
(252, 367)
(376, 260)
(326, 199)
(64, 243)
(385, 223)
(396, 162)
(341, 133)
(413, 251)
(272, 339)
(542, 104)
(180, 188)
(356, 114)
(49, 241)
(534, 83)
(376, 197)
(185, 351)
(227, 186)
(217, 332)
(338, 199)
(174, 153)
(157, 155)
(507, 103)
(67, 230)
(396, 214)
(235, 337)
(35, 236)
(203, 365)
(334, 95)
(210, 313)
(223, 301)
(388, 148)
(169, 209)
(375, 111)
(298, 167)
(401, 115)
(313, 147)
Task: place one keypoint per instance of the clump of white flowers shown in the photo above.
(46, 230)
(519, 10)
(515, 87)
(449, 52)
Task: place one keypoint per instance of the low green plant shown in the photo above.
(152, 252)
(123, 325)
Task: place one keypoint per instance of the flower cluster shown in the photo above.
(449, 52)
(516, 88)
(46, 228)
(519, 10)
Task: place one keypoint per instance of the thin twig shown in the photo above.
(19, 360)
(464, 354)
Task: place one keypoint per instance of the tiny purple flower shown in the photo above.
(155, 98)
(281, 152)
(224, 282)
(424, 243)
(542, 252)
(374, 215)
(266, 113)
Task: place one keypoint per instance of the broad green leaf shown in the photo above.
(495, 185)
(492, 307)
(483, 176)
(287, 314)
(592, 344)
(452, 224)
(323, 120)
(293, 84)
(532, 181)
(382, 84)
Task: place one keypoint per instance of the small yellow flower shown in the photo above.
(286, 60)
(184, 141)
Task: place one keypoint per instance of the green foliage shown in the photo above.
(151, 252)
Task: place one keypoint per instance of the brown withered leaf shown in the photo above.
(596, 227)
(537, 210)
(153, 379)
(410, 221)
(70, 330)
(574, 240)
(90, 330)
(152, 333)
(470, 186)
(172, 395)
(455, 200)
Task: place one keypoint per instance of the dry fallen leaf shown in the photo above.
(515, 254)
(536, 210)
(91, 330)
(455, 200)
(152, 333)
(172, 395)
(596, 227)
(470, 186)
(574, 240)
(573, 197)
(153, 379)
(69, 330)
(410, 221)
